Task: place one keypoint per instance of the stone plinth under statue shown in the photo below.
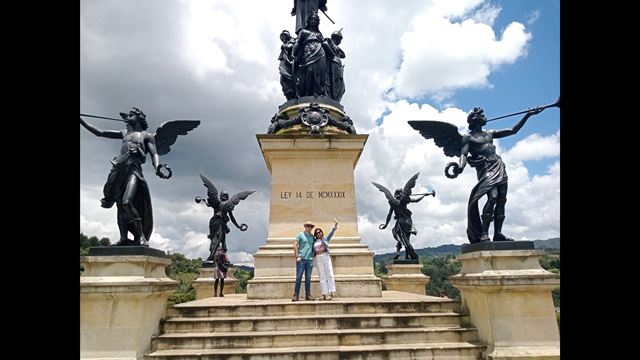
(508, 296)
(204, 283)
(123, 296)
(312, 179)
(406, 275)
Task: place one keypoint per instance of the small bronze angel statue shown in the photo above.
(126, 186)
(477, 149)
(222, 213)
(403, 228)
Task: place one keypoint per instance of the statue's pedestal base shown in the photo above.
(312, 179)
(204, 283)
(508, 296)
(496, 245)
(122, 299)
(406, 277)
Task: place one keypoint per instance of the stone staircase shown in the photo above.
(398, 325)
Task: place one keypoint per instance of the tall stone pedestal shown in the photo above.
(406, 277)
(508, 296)
(204, 283)
(312, 179)
(123, 296)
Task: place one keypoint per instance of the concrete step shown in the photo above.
(309, 322)
(338, 306)
(437, 351)
(346, 337)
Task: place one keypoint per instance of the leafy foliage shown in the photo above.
(438, 269)
(556, 297)
(243, 275)
(380, 271)
(185, 271)
(549, 262)
(180, 264)
(87, 242)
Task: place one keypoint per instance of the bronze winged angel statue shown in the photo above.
(476, 149)
(223, 206)
(126, 186)
(403, 228)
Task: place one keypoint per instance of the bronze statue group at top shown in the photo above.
(310, 64)
(311, 75)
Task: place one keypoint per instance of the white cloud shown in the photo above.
(487, 14)
(534, 147)
(441, 53)
(95, 220)
(533, 17)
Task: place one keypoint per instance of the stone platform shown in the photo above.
(123, 296)
(397, 325)
(508, 295)
(406, 275)
(204, 283)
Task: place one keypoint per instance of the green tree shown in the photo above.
(380, 271)
(556, 297)
(549, 262)
(243, 277)
(185, 271)
(180, 264)
(438, 269)
(87, 242)
(104, 242)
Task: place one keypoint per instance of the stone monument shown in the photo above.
(311, 149)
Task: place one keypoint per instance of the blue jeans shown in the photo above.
(305, 266)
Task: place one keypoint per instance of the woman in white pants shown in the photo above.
(325, 268)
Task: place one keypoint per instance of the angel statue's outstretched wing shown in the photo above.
(235, 199)
(406, 190)
(392, 200)
(168, 132)
(212, 193)
(445, 135)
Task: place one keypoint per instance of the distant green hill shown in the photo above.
(550, 244)
(442, 250)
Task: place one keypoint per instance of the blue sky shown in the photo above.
(531, 81)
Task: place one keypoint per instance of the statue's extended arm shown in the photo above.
(464, 152)
(418, 199)
(111, 134)
(155, 158)
(242, 227)
(384, 226)
(507, 132)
